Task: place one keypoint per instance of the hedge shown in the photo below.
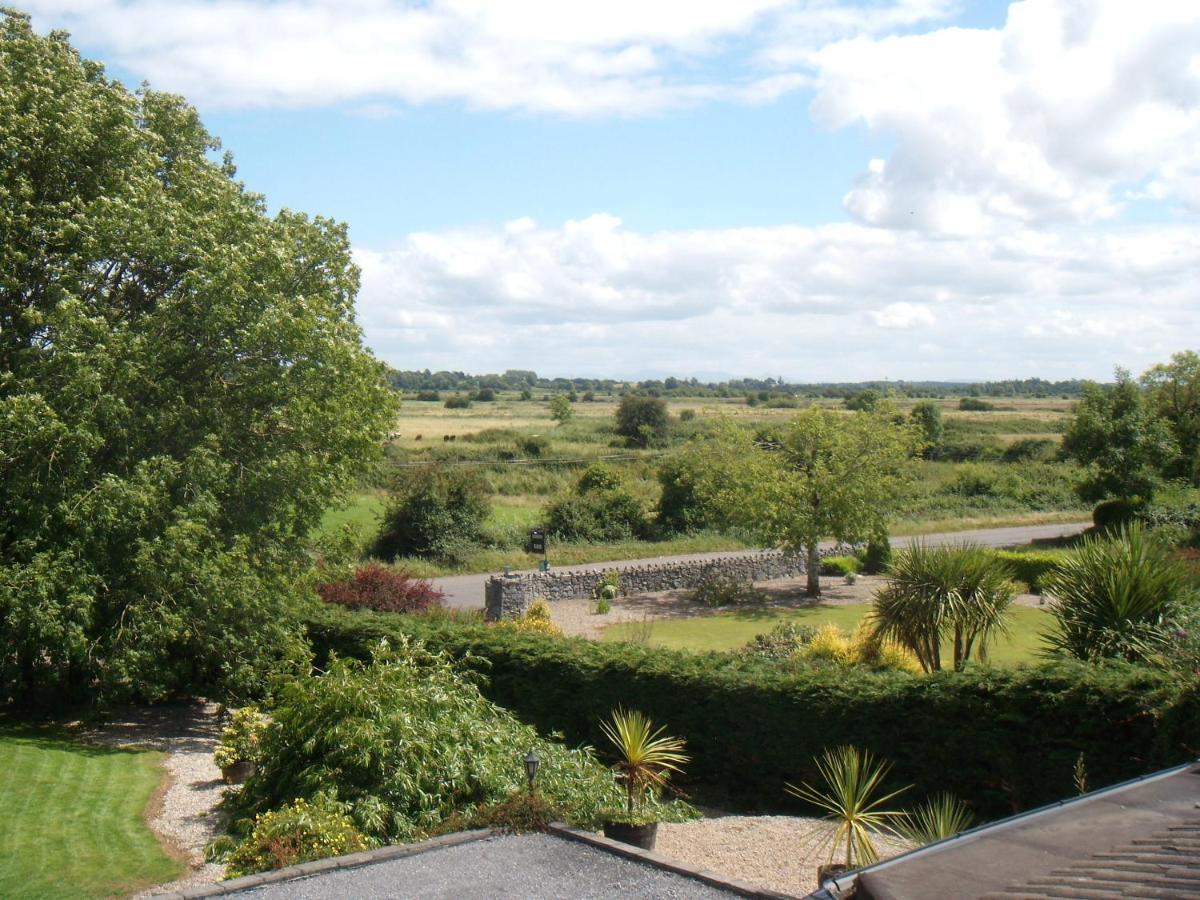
(1002, 739)
(1031, 566)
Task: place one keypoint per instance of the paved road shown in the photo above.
(466, 591)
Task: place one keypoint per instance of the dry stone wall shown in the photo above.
(508, 596)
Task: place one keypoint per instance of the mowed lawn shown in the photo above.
(731, 630)
(72, 819)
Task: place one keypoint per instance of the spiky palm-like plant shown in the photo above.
(941, 816)
(957, 593)
(852, 780)
(646, 757)
(1116, 597)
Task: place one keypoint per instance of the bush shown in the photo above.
(839, 565)
(484, 395)
(681, 505)
(382, 589)
(687, 415)
(598, 477)
(717, 589)
(1112, 514)
(642, 421)
(520, 813)
(608, 587)
(241, 739)
(1030, 567)
(927, 416)
(536, 619)
(1005, 739)
(428, 396)
(433, 513)
(533, 445)
(877, 555)
(298, 832)
(783, 641)
(862, 401)
(600, 509)
(1117, 597)
(406, 741)
(457, 402)
(1030, 450)
(974, 404)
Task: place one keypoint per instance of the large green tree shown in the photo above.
(827, 474)
(1173, 390)
(183, 390)
(1120, 440)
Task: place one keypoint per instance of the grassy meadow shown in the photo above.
(734, 629)
(527, 459)
(73, 822)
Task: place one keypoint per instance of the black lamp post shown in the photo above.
(531, 767)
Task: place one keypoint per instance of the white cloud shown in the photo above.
(830, 302)
(1056, 117)
(618, 57)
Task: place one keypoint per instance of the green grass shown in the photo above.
(71, 819)
(731, 630)
(364, 509)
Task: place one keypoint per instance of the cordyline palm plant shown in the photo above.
(959, 593)
(647, 757)
(1117, 597)
(941, 816)
(853, 778)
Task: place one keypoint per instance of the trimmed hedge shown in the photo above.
(1003, 740)
(1031, 567)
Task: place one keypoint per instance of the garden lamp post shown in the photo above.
(531, 767)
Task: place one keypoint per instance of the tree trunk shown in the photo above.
(813, 588)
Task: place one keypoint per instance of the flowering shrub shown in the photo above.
(535, 619)
(301, 831)
(383, 589)
(864, 648)
(241, 738)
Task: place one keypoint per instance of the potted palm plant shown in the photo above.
(239, 750)
(646, 758)
(853, 779)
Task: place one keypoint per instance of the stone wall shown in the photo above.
(507, 596)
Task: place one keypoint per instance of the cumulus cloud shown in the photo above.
(1070, 109)
(831, 302)
(623, 57)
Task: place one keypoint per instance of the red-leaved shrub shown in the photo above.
(383, 589)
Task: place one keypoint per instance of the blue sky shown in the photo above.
(821, 189)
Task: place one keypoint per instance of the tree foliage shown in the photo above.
(561, 410)
(826, 474)
(642, 420)
(1173, 391)
(183, 390)
(434, 513)
(1117, 436)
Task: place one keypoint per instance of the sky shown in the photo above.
(819, 190)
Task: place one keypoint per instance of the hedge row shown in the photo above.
(1003, 740)
(1031, 566)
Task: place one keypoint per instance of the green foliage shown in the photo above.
(458, 401)
(1173, 392)
(716, 589)
(561, 410)
(433, 513)
(939, 817)
(484, 395)
(877, 555)
(642, 421)
(850, 794)
(687, 415)
(533, 445)
(974, 404)
(520, 813)
(645, 757)
(297, 832)
(1114, 514)
(1117, 436)
(1117, 596)
(601, 508)
(241, 739)
(1030, 450)
(840, 565)
(682, 505)
(783, 641)
(428, 397)
(406, 741)
(961, 593)
(828, 475)
(927, 416)
(862, 401)
(747, 721)
(608, 586)
(603, 606)
(598, 477)
(183, 392)
(1031, 567)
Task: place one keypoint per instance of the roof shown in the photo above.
(1137, 839)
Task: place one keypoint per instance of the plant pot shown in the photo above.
(236, 773)
(636, 835)
(831, 870)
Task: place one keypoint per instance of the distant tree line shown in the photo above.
(762, 389)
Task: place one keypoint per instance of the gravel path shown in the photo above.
(579, 619)
(778, 852)
(183, 816)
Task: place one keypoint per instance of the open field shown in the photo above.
(72, 822)
(734, 629)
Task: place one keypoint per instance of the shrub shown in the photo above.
(862, 401)
(687, 415)
(608, 586)
(536, 619)
(383, 589)
(1113, 514)
(598, 477)
(428, 396)
(520, 813)
(533, 445)
(603, 607)
(457, 402)
(681, 505)
(600, 509)
(927, 416)
(241, 739)
(1030, 567)
(747, 720)
(484, 395)
(1117, 597)
(433, 513)
(717, 589)
(830, 644)
(642, 421)
(974, 404)
(298, 832)
(783, 641)
(1030, 450)
(877, 555)
(839, 565)
(405, 741)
